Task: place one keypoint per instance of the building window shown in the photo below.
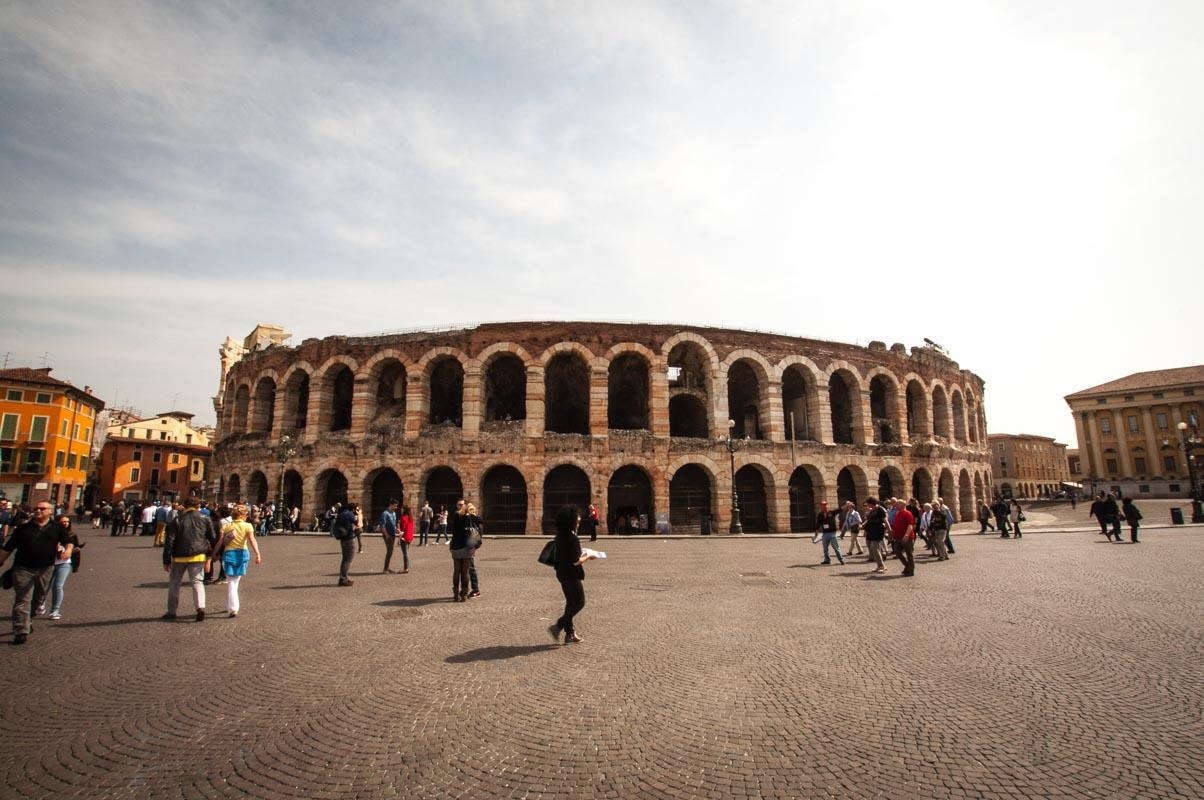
(60, 458)
(1105, 425)
(136, 455)
(87, 434)
(148, 433)
(16, 395)
(34, 461)
(163, 435)
(1133, 424)
(1143, 488)
(8, 427)
(1139, 465)
(37, 429)
(188, 438)
(1112, 468)
(156, 457)
(135, 474)
(63, 430)
(83, 463)
(75, 431)
(1168, 463)
(43, 398)
(1160, 418)
(196, 467)
(1157, 395)
(1101, 401)
(1189, 392)
(175, 458)
(1128, 398)
(71, 461)
(1174, 487)
(154, 477)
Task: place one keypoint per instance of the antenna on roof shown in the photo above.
(45, 358)
(6, 355)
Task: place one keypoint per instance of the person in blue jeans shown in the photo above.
(827, 523)
(62, 569)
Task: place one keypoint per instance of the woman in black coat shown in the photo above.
(461, 552)
(569, 572)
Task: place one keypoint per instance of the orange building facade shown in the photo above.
(46, 432)
(158, 458)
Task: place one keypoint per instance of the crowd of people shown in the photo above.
(215, 545)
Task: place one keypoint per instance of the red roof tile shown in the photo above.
(1155, 379)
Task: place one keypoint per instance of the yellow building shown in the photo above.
(1028, 466)
(1128, 431)
(46, 431)
(161, 457)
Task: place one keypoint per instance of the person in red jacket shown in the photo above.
(407, 536)
(903, 534)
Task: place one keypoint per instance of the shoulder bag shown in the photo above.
(548, 554)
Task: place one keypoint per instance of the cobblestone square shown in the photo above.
(1054, 666)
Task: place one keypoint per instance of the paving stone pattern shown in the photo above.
(1054, 666)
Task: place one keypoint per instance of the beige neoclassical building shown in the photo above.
(639, 419)
(1129, 439)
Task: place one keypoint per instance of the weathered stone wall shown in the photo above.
(407, 442)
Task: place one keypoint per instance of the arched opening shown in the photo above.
(687, 416)
(447, 392)
(890, 483)
(390, 391)
(744, 400)
(959, 418)
(242, 405)
(883, 411)
(342, 388)
(629, 501)
(627, 393)
(263, 406)
(846, 487)
(940, 414)
(798, 404)
(442, 489)
(381, 486)
(566, 394)
(802, 501)
(294, 492)
(690, 378)
(840, 400)
(565, 485)
(332, 488)
(257, 488)
(505, 389)
(917, 411)
(947, 490)
(754, 508)
(980, 492)
(921, 485)
(504, 500)
(690, 500)
(965, 496)
(296, 401)
(233, 489)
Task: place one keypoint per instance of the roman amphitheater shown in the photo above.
(650, 422)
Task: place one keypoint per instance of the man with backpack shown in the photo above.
(343, 529)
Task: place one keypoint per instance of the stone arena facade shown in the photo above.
(646, 421)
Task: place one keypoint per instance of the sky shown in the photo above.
(1019, 181)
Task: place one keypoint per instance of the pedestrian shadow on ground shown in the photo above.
(498, 653)
(106, 623)
(329, 585)
(152, 585)
(414, 602)
(872, 576)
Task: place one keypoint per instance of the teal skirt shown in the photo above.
(235, 562)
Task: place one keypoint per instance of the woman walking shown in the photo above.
(405, 536)
(1016, 516)
(1130, 512)
(231, 548)
(569, 572)
(63, 568)
(463, 524)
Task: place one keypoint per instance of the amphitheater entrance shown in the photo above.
(382, 486)
(744, 400)
(802, 501)
(257, 488)
(233, 492)
(690, 500)
(504, 500)
(294, 492)
(947, 491)
(505, 389)
(921, 485)
(882, 409)
(565, 485)
(442, 489)
(965, 496)
(263, 406)
(297, 401)
(342, 388)
(798, 391)
(391, 391)
(846, 487)
(566, 394)
(890, 483)
(332, 488)
(840, 402)
(687, 416)
(917, 411)
(754, 508)
(628, 498)
(689, 391)
(447, 392)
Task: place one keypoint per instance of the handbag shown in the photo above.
(548, 554)
(6, 580)
(474, 537)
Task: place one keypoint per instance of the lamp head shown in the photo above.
(1182, 426)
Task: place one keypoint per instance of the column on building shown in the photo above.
(1122, 442)
(470, 413)
(1153, 450)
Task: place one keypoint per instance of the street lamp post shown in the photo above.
(1190, 444)
(285, 452)
(733, 444)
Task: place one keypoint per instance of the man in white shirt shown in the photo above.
(148, 518)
